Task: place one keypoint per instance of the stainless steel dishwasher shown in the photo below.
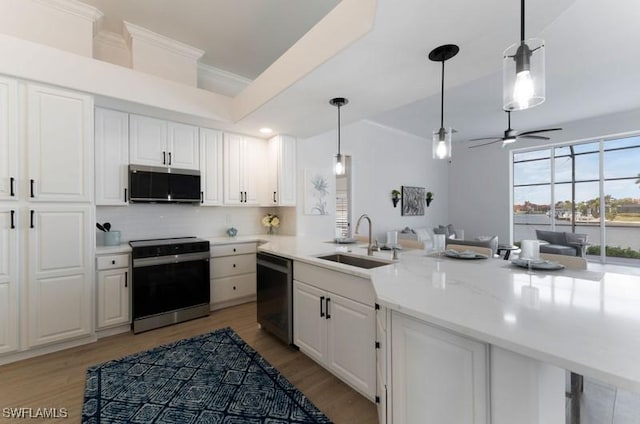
(275, 295)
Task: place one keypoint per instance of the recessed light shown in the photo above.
(266, 130)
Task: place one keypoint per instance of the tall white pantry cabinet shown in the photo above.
(46, 215)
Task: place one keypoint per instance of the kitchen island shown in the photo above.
(534, 326)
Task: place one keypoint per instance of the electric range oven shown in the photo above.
(170, 281)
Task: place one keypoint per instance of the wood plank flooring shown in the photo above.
(57, 380)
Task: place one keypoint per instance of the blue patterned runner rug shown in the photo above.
(211, 378)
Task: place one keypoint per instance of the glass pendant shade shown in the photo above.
(442, 143)
(523, 75)
(339, 168)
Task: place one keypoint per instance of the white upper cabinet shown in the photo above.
(60, 145)
(281, 171)
(8, 139)
(156, 142)
(182, 146)
(211, 167)
(243, 169)
(111, 157)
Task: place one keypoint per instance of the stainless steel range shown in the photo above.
(170, 281)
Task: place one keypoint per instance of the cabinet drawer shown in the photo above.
(229, 288)
(112, 261)
(227, 266)
(232, 249)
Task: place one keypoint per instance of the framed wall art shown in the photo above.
(413, 200)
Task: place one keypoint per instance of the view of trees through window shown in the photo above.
(590, 188)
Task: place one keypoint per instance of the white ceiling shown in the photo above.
(239, 36)
(592, 59)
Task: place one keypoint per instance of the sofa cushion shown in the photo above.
(558, 249)
(441, 229)
(491, 243)
(553, 237)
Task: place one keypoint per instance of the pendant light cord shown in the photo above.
(522, 21)
(338, 129)
(442, 98)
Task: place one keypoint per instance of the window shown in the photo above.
(591, 188)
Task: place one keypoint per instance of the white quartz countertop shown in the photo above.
(584, 321)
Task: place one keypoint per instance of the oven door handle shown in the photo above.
(173, 259)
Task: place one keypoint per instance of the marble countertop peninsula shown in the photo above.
(587, 322)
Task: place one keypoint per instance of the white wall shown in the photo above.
(147, 221)
(383, 159)
(479, 179)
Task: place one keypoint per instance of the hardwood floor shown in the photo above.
(57, 380)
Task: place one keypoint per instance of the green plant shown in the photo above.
(395, 193)
(429, 195)
(395, 197)
(616, 252)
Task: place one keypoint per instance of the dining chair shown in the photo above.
(570, 262)
(478, 249)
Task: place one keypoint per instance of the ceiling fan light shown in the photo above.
(441, 144)
(508, 140)
(523, 75)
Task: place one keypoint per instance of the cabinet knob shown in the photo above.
(113, 262)
(234, 287)
(234, 265)
(234, 249)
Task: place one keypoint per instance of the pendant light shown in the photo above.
(523, 72)
(339, 165)
(442, 136)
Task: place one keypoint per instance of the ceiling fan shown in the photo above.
(511, 135)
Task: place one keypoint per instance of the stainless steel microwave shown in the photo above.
(167, 185)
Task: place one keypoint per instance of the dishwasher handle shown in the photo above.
(275, 263)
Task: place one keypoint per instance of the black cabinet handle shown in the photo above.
(11, 181)
(234, 265)
(32, 216)
(328, 300)
(13, 217)
(202, 197)
(234, 249)
(169, 158)
(234, 287)
(126, 278)
(32, 182)
(321, 311)
(274, 197)
(164, 158)
(113, 262)
(125, 195)
(240, 197)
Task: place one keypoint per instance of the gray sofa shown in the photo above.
(491, 243)
(562, 243)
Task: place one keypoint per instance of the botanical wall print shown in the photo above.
(413, 200)
(316, 191)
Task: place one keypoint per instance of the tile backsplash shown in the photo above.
(148, 221)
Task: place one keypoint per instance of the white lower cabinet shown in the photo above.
(338, 333)
(59, 269)
(113, 290)
(9, 321)
(437, 376)
(233, 274)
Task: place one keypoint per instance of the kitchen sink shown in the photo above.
(357, 261)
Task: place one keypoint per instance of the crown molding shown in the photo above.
(112, 39)
(134, 31)
(74, 7)
(220, 81)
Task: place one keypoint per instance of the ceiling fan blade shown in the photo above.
(485, 144)
(485, 138)
(539, 131)
(536, 137)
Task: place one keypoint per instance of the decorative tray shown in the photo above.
(465, 254)
(537, 264)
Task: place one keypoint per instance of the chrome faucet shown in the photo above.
(370, 247)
